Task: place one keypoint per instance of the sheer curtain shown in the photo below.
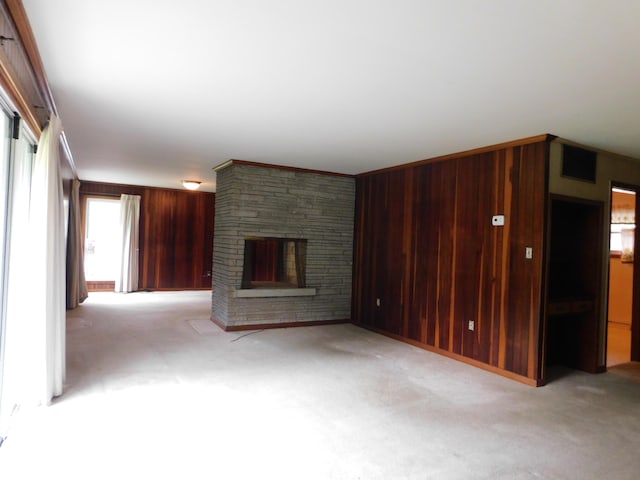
(5, 231)
(19, 373)
(76, 283)
(46, 220)
(36, 324)
(127, 275)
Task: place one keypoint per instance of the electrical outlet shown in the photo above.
(472, 325)
(497, 220)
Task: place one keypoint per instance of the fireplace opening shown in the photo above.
(274, 262)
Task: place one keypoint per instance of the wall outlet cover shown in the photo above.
(497, 220)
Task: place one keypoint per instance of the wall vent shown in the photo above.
(578, 163)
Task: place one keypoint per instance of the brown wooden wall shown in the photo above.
(425, 247)
(176, 234)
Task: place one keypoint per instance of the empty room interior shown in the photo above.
(327, 240)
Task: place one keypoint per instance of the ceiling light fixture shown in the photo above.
(191, 184)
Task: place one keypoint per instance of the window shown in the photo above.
(101, 244)
(622, 238)
(623, 217)
(274, 263)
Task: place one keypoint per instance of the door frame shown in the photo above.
(635, 302)
(93, 285)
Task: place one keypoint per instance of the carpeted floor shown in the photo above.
(153, 391)
(629, 370)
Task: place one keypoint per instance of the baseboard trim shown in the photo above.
(176, 289)
(454, 356)
(265, 326)
(101, 285)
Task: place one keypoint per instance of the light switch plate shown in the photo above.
(497, 220)
(528, 253)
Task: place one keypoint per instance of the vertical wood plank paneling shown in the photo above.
(517, 273)
(425, 246)
(160, 244)
(408, 245)
(537, 235)
(391, 290)
(359, 289)
(179, 250)
(487, 207)
(525, 285)
(500, 324)
(184, 238)
(368, 203)
(421, 325)
(376, 201)
(444, 208)
(473, 251)
(501, 235)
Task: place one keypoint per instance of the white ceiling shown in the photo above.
(154, 91)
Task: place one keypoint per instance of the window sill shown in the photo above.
(274, 292)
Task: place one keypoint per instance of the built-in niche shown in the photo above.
(574, 283)
(274, 263)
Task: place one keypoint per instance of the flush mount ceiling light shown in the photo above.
(191, 184)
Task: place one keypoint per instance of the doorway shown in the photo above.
(621, 272)
(101, 251)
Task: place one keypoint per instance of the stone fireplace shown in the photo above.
(283, 246)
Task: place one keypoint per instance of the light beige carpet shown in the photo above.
(629, 370)
(150, 397)
(204, 326)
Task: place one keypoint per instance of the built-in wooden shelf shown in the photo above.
(569, 306)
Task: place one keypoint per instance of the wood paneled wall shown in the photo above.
(427, 260)
(176, 234)
(21, 72)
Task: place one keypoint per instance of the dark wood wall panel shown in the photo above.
(527, 200)
(176, 234)
(427, 260)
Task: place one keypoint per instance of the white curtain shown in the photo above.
(46, 220)
(5, 232)
(19, 371)
(127, 275)
(36, 323)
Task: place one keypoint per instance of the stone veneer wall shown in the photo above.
(273, 202)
